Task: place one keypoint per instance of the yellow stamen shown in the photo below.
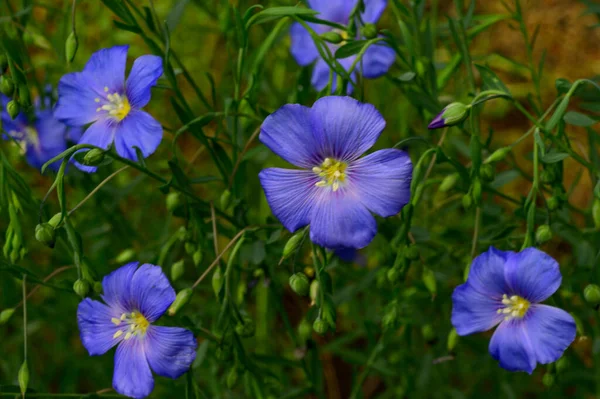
(118, 334)
(115, 321)
(332, 173)
(516, 307)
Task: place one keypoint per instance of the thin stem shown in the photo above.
(25, 317)
(433, 159)
(73, 27)
(476, 231)
(95, 190)
(239, 160)
(48, 278)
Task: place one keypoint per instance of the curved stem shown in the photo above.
(95, 190)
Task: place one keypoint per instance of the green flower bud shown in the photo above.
(6, 314)
(182, 298)
(232, 378)
(225, 199)
(591, 293)
(190, 248)
(369, 31)
(389, 319)
(428, 333)
(476, 192)
(98, 287)
(332, 37)
(393, 274)
(320, 326)
(411, 252)
(217, 282)
(467, 202)
(13, 109)
(451, 115)
(548, 176)
(548, 379)
(553, 203)
(596, 212)
(125, 256)
(93, 157)
(314, 291)
(428, 278)
(197, 257)
(71, 47)
(452, 340)
(486, 172)
(246, 328)
(177, 270)
(498, 155)
(81, 287)
(45, 234)
(54, 220)
(173, 201)
(304, 330)
(299, 283)
(449, 182)
(543, 234)
(23, 378)
(24, 97)
(6, 85)
(293, 244)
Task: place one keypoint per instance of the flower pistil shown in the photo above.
(118, 106)
(136, 324)
(516, 307)
(332, 173)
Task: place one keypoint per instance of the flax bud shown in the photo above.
(71, 46)
(498, 155)
(369, 31)
(320, 326)
(299, 283)
(6, 314)
(81, 287)
(173, 201)
(177, 270)
(543, 234)
(6, 85)
(93, 157)
(13, 109)
(292, 244)
(591, 293)
(23, 378)
(182, 298)
(45, 234)
(451, 115)
(332, 37)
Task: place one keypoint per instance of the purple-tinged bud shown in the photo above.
(451, 115)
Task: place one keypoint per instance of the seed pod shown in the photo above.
(246, 328)
(369, 31)
(217, 281)
(487, 172)
(93, 157)
(23, 378)
(197, 257)
(543, 234)
(452, 340)
(467, 202)
(24, 97)
(98, 287)
(332, 37)
(292, 244)
(448, 182)
(320, 326)
(476, 192)
(81, 287)
(299, 283)
(177, 270)
(304, 330)
(71, 47)
(13, 109)
(548, 379)
(553, 203)
(591, 293)
(225, 199)
(498, 155)
(6, 314)
(45, 234)
(6, 85)
(173, 201)
(429, 280)
(182, 298)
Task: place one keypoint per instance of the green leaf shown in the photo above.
(553, 157)
(279, 12)
(578, 119)
(491, 81)
(349, 49)
(126, 27)
(485, 22)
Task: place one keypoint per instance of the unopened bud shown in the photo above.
(553, 203)
(182, 298)
(428, 279)
(125, 256)
(45, 234)
(467, 201)
(81, 287)
(23, 378)
(197, 257)
(71, 47)
(562, 364)
(6, 85)
(591, 293)
(314, 291)
(393, 274)
(476, 192)
(177, 270)
(190, 248)
(6, 314)
(498, 155)
(548, 176)
(320, 326)
(332, 37)
(225, 199)
(543, 234)
(98, 287)
(232, 378)
(369, 31)
(13, 109)
(448, 182)
(390, 317)
(173, 201)
(217, 282)
(328, 312)
(487, 172)
(293, 244)
(451, 115)
(452, 340)
(24, 97)
(55, 220)
(304, 330)
(93, 157)
(299, 283)
(428, 333)
(548, 379)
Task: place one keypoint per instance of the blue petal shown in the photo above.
(151, 292)
(170, 350)
(95, 327)
(288, 132)
(382, 180)
(143, 76)
(51, 132)
(340, 220)
(373, 10)
(550, 330)
(333, 10)
(473, 311)
(533, 274)
(377, 60)
(132, 376)
(345, 127)
(303, 48)
(117, 288)
(511, 347)
(76, 105)
(290, 194)
(138, 129)
(107, 67)
(486, 274)
(100, 134)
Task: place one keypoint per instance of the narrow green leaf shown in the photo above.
(553, 157)
(349, 49)
(278, 12)
(491, 81)
(579, 119)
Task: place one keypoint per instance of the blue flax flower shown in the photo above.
(506, 288)
(377, 59)
(41, 138)
(100, 96)
(135, 298)
(337, 190)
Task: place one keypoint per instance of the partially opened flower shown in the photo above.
(377, 59)
(506, 288)
(336, 190)
(100, 95)
(40, 138)
(135, 298)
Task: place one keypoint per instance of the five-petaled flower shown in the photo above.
(40, 139)
(135, 298)
(337, 190)
(100, 95)
(505, 288)
(377, 59)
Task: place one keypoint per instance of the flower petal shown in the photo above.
(377, 60)
(303, 48)
(132, 376)
(116, 287)
(340, 220)
(510, 345)
(333, 10)
(151, 292)
(95, 327)
(486, 274)
(345, 127)
(107, 67)
(533, 274)
(473, 311)
(288, 132)
(551, 330)
(51, 132)
(143, 76)
(77, 94)
(170, 350)
(373, 10)
(290, 194)
(382, 180)
(101, 134)
(138, 129)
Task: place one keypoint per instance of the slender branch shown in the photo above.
(48, 278)
(95, 190)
